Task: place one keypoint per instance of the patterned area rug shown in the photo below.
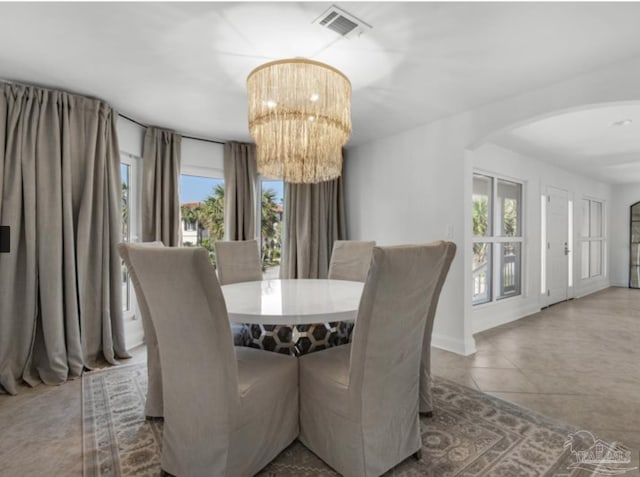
(471, 434)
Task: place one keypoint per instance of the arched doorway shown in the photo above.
(634, 246)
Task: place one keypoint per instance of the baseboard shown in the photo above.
(133, 333)
(592, 288)
(501, 317)
(455, 345)
(620, 284)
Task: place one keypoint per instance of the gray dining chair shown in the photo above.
(153, 405)
(238, 261)
(426, 399)
(227, 410)
(350, 260)
(359, 401)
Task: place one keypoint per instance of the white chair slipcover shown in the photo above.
(350, 260)
(359, 402)
(426, 401)
(238, 261)
(153, 405)
(227, 411)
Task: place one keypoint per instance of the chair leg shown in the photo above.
(418, 455)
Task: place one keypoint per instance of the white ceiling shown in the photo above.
(183, 65)
(591, 142)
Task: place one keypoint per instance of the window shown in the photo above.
(271, 214)
(129, 223)
(202, 211)
(497, 238)
(592, 238)
(125, 217)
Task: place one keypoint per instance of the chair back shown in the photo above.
(238, 261)
(153, 406)
(386, 347)
(199, 368)
(426, 402)
(350, 260)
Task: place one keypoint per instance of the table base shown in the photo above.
(296, 340)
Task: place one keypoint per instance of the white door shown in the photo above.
(557, 245)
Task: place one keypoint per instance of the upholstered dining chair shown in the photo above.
(426, 400)
(238, 261)
(359, 401)
(227, 410)
(153, 405)
(350, 260)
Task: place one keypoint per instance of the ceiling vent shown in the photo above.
(341, 22)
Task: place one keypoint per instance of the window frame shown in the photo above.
(259, 188)
(590, 239)
(203, 172)
(135, 196)
(496, 240)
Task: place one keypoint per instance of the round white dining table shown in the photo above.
(294, 316)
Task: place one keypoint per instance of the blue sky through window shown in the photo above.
(196, 188)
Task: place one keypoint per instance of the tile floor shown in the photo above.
(578, 361)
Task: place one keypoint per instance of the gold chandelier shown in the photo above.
(299, 117)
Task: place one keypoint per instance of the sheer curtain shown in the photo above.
(240, 177)
(60, 287)
(160, 188)
(314, 219)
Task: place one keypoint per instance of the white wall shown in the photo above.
(624, 196)
(410, 186)
(536, 175)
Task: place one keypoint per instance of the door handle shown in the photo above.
(566, 249)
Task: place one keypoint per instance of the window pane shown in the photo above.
(595, 258)
(595, 221)
(510, 259)
(481, 197)
(481, 273)
(509, 208)
(635, 232)
(202, 211)
(271, 226)
(634, 282)
(584, 258)
(585, 218)
(635, 254)
(125, 217)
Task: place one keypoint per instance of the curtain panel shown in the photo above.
(313, 219)
(60, 286)
(240, 178)
(160, 187)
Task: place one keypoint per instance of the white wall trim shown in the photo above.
(133, 333)
(448, 343)
(620, 284)
(501, 317)
(592, 287)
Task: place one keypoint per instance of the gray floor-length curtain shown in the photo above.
(313, 219)
(240, 177)
(60, 286)
(160, 187)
